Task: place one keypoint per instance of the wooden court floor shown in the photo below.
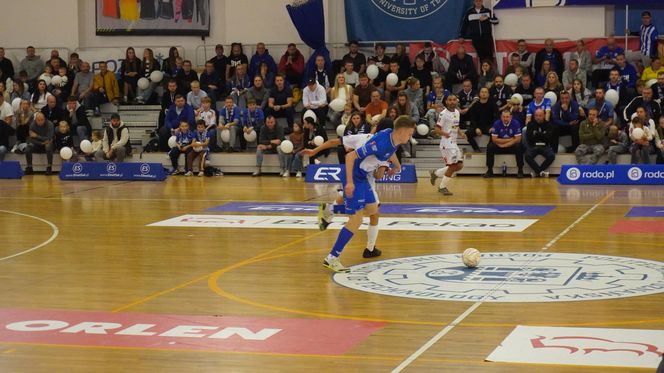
(105, 258)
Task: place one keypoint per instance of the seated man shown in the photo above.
(539, 102)
(105, 86)
(185, 77)
(362, 94)
(572, 73)
(539, 143)
(82, 88)
(482, 115)
(604, 108)
(314, 97)
(565, 114)
(505, 139)
(77, 120)
(658, 88)
(605, 58)
(115, 145)
(291, 65)
(626, 71)
(280, 103)
(592, 135)
(178, 112)
(646, 101)
(461, 68)
(270, 138)
(40, 140)
(374, 108)
(210, 82)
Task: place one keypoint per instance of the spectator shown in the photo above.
(6, 112)
(167, 99)
(105, 86)
(20, 91)
(340, 90)
(238, 86)
(55, 56)
(179, 111)
(415, 95)
(261, 55)
(477, 26)
(640, 148)
(616, 83)
(185, 77)
(40, 96)
(432, 61)
(658, 88)
(543, 73)
(553, 84)
(574, 72)
(527, 58)
(258, 93)
(526, 89)
(482, 116)
(291, 65)
(362, 94)
(422, 74)
(605, 58)
(23, 118)
(63, 137)
(221, 66)
(32, 65)
(116, 143)
(200, 147)
(3, 91)
(551, 54)
(170, 66)
(539, 102)
(210, 82)
(582, 56)
(565, 118)
(40, 141)
(321, 73)
(267, 75)
(438, 95)
(235, 59)
(648, 38)
(294, 162)
(350, 76)
(626, 71)
(268, 143)
(646, 101)
(76, 118)
(604, 108)
(310, 131)
(74, 64)
(356, 126)
(6, 130)
(130, 70)
(580, 94)
(184, 144)
(253, 119)
(149, 64)
(83, 86)
(487, 74)
(392, 91)
(539, 135)
(195, 96)
(280, 103)
(376, 108)
(500, 94)
(652, 71)
(404, 107)
(403, 61)
(505, 139)
(358, 59)
(229, 119)
(467, 96)
(659, 140)
(461, 68)
(618, 144)
(52, 111)
(592, 136)
(209, 116)
(314, 98)
(6, 65)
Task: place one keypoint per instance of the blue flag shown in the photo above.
(397, 20)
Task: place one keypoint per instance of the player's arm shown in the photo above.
(440, 132)
(461, 133)
(397, 165)
(329, 144)
(350, 164)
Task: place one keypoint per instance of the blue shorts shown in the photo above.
(362, 197)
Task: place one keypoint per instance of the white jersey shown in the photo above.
(210, 117)
(448, 121)
(370, 163)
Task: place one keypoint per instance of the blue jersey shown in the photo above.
(545, 105)
(185, 138)
(202, 136)
(380, 147)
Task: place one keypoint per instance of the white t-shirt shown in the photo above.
(448, 121)
(210, 117)
(6, 111)
(351, 78)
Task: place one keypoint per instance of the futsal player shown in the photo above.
(447, 127)
(359, 197)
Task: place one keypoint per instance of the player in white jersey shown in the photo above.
(447, 127)
(376, 170)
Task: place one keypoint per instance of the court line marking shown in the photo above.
(54, 235)
(410, 359)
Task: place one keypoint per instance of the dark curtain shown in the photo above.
(309, 21)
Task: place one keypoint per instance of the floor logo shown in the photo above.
(516, 277)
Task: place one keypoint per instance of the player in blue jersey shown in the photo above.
(359, 197)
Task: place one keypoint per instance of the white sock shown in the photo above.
(372, 236)
(441, 172)
(444, 181)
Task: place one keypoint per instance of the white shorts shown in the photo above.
(451, 155)
(372, 181)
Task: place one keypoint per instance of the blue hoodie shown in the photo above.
(173, 118)
(256, 60)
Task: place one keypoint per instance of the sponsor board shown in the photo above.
(335, 173)
(10, 170)
(310, 222)
(646, 212)
(637, 226)
(633, 348)
(392, 208)
(509, 277)
(620, 174)
(184, 332)
(112, 171)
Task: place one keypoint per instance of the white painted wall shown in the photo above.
(553, 22)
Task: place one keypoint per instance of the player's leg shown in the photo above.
(327, 210)
(440, 173)
(371, 251)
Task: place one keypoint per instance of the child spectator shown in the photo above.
(295, 162)
(96, 145)
(348, 112)
(200, 146)
(209, 116)
(253, 119)
(63, 137)
(640, 146)
(184, 139)
(618, 144)
(229, 119)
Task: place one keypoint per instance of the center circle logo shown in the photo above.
(634, 174)
(509, 277)
(573, 174)
(77, 168)
(145, 168)
(409, 9)
(111, 168)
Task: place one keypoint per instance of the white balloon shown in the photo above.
(143, 83)
(66, 153)
(86, 146)
(511, 80)
(612, 96)
(173, 142)
(45, 78)
(56, 81)
(340, 130)
(637, 133)
(319, 140)
(156, 76)
(376, 118)
(16, 104)
(250, 137)
(338, 104)
(225, 136)
(518, 98)
(310, 114)
(392, 79)
(9, 84)
(422, 129)
(651, 82)
(551, 96)
(286, 147)
(372, 72)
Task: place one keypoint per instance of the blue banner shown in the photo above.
(112, 171)
(396, 20)
(336, 173)
(621, 174)
(10, 170)
(504, 4)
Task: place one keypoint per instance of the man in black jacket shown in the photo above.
(551, 54)
(538, 136)
(77, 120)
(476, 26)
(646, 101)
(461, 68)
(52, 111)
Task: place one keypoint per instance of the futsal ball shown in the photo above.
(471, 257)
(86, 146)
(338, 104)
(156, 76)
(143, 83)
(372, 72)
(637, 133)
(422, 129)
(66, 153)
(225, 136)
(251, 136)
(340, 130)
(392, 79)
(319, 140)
(56, 81)
(511, 80)
(286, 147)
(173, 142)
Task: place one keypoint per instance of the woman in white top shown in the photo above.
(343, 91)
(448, 129)
(38, 99)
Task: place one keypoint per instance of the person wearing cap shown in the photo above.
(115, 144)
(359, 60)
(648, 38)
(314, 97)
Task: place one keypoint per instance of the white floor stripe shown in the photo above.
(55, 233)
(409, 360)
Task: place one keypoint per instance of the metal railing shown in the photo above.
(17, 54)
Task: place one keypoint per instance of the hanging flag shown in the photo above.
(396, 20)
(504, 4)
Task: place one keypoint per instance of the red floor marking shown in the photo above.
(637, 226)
(223, 333)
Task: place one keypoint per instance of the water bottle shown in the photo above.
(504, 169)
